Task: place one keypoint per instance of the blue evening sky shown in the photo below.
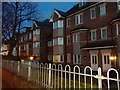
(46, 8)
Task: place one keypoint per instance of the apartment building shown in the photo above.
(33, 42)
(88, 34)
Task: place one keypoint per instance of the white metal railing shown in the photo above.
(59, 76)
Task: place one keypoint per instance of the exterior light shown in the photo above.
(113, 58)
(31, 58)
(22, 61)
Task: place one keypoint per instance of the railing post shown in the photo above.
(29, 70)
(99, 79)
(18, 68)
(49, 77)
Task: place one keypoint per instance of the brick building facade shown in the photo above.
(88, 34)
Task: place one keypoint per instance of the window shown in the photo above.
(61, 58)
(37, 44)
(49, 43)
(30, 36)
(68, 39)
(106, 59)
(60, 41)
(55, 24)
(92, 13)
(55, 41)
(37, 31)
(34, 32)
(60, 23)
(102, 9)
(21, 39)
(104, 32)
(82, 3)
(76, 37)
(118, 28)
(68, 22)
(93, 35)
(118, 4)
(76, 59)
(33, 45)
(79, 18)
(94, 59)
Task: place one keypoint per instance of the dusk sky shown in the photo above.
(46, 8)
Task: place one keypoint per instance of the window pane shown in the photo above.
(102, 9)
(104, 33)
(78, 37)
(108, 61)
(61, 23)
(81, 18)
(60, 41)
(118, 3)
(119, 28)
(55, 24)
(105, 60)
(93, 35)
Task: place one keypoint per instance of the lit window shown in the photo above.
(79, 18)
(93, 35)
(102, 9)
(118, 28)
(104, 32)
(93, 13)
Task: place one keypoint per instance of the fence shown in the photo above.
(59, 76)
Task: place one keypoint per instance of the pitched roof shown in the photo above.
(77, 8)
(44, 23)
(60, 12)
(99, 44)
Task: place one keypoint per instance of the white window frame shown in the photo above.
(78, 20)
(100, 6)
(91, 13)
(76, 55)
(92, 35)
(103, 28)
(117, 28)
(76, 37)
(68, 22)
(118, 5)
(59, 24)
(30, 35)
(60, 42)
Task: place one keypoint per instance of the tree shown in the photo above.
(14, 16)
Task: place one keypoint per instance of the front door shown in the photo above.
(94, 62)
(106, 61)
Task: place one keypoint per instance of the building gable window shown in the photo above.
(118, 28)
(76, 59)
(79, 19)
(93, 13)
(104, 32)
(93, 35)
(76, 37)
(102, 9)
(58, 24)
(118, 4)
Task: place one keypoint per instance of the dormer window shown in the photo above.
(83, 2)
